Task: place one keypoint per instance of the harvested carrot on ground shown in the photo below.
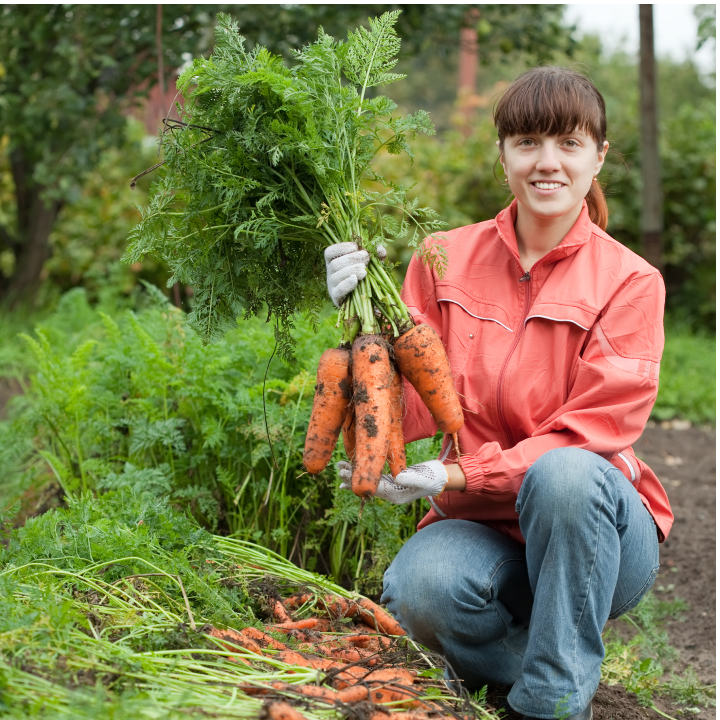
(371, 394)
(279, 612)
(376, 616)
(282, 711)
(339, 607)
(307, 624)
(421, 357)
(332, 395)
(232, 639)
(263, 639)
(396, 449)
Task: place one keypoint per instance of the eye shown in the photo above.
(526, 142)
(572, 143)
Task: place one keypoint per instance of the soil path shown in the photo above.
(683, 457)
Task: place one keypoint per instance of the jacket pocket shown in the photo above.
(465, 320)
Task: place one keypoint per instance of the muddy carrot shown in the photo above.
(307, 624)
(348, 432)
(279, 612)
(371, 395)
(396, 450)
(316, 692)
(283, 711)
(361, 641)
(393, 694)
(234, 638)
(379, 619)
(399, 675)
(295, 601)
(332, 395)
(421, 357)
(339, 607)
(263, 639)
(353, 694)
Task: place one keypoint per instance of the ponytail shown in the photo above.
(597, 206)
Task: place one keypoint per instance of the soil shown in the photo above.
(683, 457)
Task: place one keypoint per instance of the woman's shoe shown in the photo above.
(585, 714)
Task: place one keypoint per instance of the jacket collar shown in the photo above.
(578, 235)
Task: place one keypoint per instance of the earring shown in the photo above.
(506, 179)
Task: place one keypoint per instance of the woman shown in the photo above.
(547, 524)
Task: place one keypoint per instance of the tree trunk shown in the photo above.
(36, 219)
(649, 152)
(467, 68)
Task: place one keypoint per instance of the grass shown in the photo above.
(687, 378)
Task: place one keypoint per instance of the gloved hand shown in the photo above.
(346, 266)
(417, 481)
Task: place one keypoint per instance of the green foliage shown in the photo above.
(106, 609)
(687, 377)
(90, 235)
(65, 70)
(139, 403)
(267, 173)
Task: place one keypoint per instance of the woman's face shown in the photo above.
(550, 175)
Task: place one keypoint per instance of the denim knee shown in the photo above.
(562, 481)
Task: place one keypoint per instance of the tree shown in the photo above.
(650, 152)
(68, 73)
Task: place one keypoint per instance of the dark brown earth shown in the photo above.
(683, 457)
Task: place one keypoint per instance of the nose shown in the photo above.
(548, 159)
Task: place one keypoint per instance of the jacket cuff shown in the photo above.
(474, 474)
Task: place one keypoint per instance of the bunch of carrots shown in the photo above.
(359, 392)
(355, 662)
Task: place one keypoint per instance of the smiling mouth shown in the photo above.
(547, 185)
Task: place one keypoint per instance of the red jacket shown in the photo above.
(567, 357)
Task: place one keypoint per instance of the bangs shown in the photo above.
(552, 101)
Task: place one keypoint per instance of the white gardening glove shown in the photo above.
(346, 266)
(422, 480)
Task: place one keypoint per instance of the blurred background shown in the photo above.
(101, 383)
(84, 89)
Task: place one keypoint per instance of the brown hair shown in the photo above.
(555, 101)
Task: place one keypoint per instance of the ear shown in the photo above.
(601, 157)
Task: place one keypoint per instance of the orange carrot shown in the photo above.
(283, 711)
(346, 654)
(279, 612)
(314, 691)
(348, 432)
(371, 395)
(379, 619)
(332, 395)
(399, 675)
(396, 451)
(234, 638)
(339, 607)
(263, 639)
(393, 694)
(361, 641)
(298, 624)
(421, 357)
(353, 694)
(295, 601)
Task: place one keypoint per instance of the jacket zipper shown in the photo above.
(518, 336)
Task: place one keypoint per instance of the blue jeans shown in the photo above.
(532, 615)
